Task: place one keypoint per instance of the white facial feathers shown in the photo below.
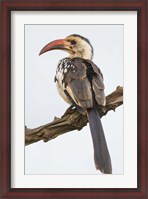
(80, 46)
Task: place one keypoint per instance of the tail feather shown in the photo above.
(101, 153)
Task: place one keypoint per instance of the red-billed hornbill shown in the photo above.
(80, 83)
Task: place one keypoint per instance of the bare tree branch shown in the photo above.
(71, 120)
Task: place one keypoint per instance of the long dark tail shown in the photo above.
(101, 153)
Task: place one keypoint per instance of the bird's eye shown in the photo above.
(73, 42)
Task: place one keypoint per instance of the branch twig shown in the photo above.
(71, 120)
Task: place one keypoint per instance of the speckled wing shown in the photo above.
(78, 85)
(81, 80)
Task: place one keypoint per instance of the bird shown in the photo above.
(80, 83)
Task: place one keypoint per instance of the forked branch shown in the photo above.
(71, 120)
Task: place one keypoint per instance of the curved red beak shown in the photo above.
(59, 44)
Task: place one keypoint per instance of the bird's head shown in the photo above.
(75, 45)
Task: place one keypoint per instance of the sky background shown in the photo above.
(71, 153)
